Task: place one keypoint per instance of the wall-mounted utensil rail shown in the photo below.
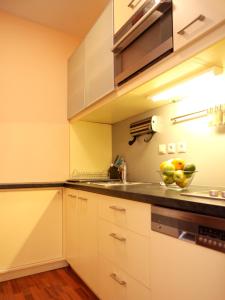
(217, 112)
(186, 117)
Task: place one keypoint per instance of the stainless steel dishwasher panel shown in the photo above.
(199, 229)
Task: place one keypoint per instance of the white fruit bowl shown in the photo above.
(177, 180)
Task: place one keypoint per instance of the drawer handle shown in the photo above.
(72, 196)
(200, 18)
(132, 4)
(117, 208)
(116, 278)
(119, 238)
(82, 198)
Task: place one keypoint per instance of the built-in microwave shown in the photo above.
(146, 38)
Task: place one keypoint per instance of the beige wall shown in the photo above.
(90, 146)
(205, 144)
(33, 127)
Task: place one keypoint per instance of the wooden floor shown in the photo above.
(61, 284)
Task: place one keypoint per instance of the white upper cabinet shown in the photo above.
(76, 81)
(99, 63)
(91, 67)
(123, 10)
(191, 18)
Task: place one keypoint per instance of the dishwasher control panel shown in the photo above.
(211, 238)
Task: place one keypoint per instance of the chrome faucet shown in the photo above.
(124, 172)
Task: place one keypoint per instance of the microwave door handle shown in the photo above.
(132, 5)
(117, 48)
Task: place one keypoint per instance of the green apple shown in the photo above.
(168, 179)
(168, 169)
(179, 176)
(189, 169)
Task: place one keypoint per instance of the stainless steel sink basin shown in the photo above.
(116, 183)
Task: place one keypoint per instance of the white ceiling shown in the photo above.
(71, 16)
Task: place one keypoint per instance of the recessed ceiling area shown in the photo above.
(71, 16)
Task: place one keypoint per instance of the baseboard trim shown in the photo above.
(32, 269)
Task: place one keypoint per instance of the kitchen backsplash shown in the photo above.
(205, 144)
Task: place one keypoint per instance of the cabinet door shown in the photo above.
(123, 10)
(71, 228)
(99, 64)
(87, 236)
(81, 235)
(187, 12)
(76, 82)
(30, 227)
(182, 270)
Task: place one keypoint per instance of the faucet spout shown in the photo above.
(124, 172)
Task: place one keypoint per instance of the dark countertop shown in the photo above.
(159, 195)
(30, 185)
(147, 193)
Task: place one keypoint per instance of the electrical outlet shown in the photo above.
(162, 148)
(171, 148)
(181, 147)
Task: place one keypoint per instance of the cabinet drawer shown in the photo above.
(125, 213)
(126, 249)
(117, 285)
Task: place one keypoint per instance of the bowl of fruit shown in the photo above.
(176, 174)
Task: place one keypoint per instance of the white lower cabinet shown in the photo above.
(183, 270)
(81, 235)
(111, 259)
(106, 246)
(71, 228)
(118, 285)
(123, 247)
(30, 228)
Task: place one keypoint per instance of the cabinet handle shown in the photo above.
(72, 196)
(119, 238)
(82, 198)
(199, 18)
(117, 208)
(132, 4)
(116, 278)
